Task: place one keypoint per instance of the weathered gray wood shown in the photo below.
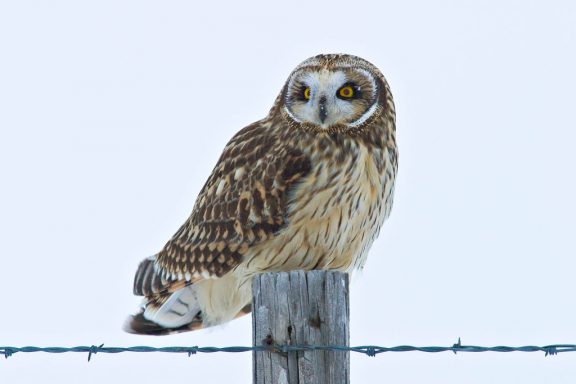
(301, 308)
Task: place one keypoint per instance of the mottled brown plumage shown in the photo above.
(308, 187)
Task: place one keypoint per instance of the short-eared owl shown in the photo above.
(307, 187)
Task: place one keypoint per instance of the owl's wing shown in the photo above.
(243, 203)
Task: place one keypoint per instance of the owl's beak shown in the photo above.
(322, 105)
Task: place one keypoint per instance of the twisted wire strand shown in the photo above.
(369, 350)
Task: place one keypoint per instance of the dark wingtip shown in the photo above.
(139, 325)
(143, 276)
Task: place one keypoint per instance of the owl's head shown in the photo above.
(334, 92)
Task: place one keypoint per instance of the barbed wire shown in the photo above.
(369, 350)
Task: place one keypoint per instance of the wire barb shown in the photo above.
(8, 351)
(371, 351)
(93, 350)
(551, 350)
(456, 347)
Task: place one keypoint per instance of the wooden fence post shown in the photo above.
(301, 308)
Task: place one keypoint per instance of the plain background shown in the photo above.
(113, 113)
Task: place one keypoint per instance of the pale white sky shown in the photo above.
(112, 115)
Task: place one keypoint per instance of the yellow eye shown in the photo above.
(306, 93)
(346, 92)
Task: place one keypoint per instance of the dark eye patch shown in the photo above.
(302, 92)
(349, 91)
(364, 87)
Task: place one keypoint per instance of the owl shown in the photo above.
(307, 187)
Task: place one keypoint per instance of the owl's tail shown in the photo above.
(168, 307)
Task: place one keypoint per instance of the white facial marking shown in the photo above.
(364, 117)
